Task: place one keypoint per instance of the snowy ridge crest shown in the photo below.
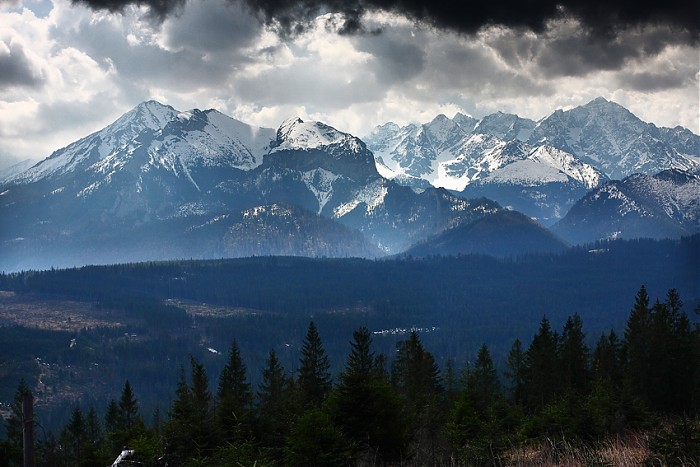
(603, 135)
(294, 133)
(154, 136)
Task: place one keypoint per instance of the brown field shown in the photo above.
(212, 311)
(55, 314)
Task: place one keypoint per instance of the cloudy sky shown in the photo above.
(68, 68)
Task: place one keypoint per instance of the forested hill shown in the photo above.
(495, 299)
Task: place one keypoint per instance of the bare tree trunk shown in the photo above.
(28, 428)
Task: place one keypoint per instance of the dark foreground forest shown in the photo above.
(76, 336)
(630, 399)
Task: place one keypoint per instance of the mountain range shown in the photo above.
(540, 168)
(162, 184)
(665, 205)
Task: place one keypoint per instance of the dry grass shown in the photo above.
(630, 450)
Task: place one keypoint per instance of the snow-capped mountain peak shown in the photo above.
(169, 137)
(150, 115)
(505, 126)
(295, 133)
(467, 122)
(610, 137)
(307, 146)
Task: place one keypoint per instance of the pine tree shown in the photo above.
(113, 427)
(365, 406)
(202, 408)
(416, 378)
(314, 380)
(128, 409)
(482, 379)
(234, 398)
(414, 373)
(451, 383)
(123, 421)
(574, 357)
(177, 427)
(275, 406)
(606, 366)
(637, 346)
(316, 441)
(671, 361)
(73, 437)
(94, 443)
(515, 372)
(480, 418)
(191, 417)
(541, 365)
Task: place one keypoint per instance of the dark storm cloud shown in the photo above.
(212, 27)
(566, 50)
(654, 81)
(601, 17)
(577, 56)
(447, 71)
(394, 59)
(16, 69)
(158, 8)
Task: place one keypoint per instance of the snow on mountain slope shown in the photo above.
(487, 159)
(210, 139)
(371, 195)
(149, 115)
(478, 156)
(466, 122)
(258, 140)
(602, 134)
(505, 126)
(660, 206)
(675, 192)
(566, 164)
(320, 183)
(417, 150)
(11, 172)
(384, 139)
(615, 141)
(304, 146)
(445, 152)
(296, 134)
(162, 138)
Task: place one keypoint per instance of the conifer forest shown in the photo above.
(401, 362)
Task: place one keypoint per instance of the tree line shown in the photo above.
(406, 409)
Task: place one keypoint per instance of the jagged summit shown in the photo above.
(562, 154)
(615, 141)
